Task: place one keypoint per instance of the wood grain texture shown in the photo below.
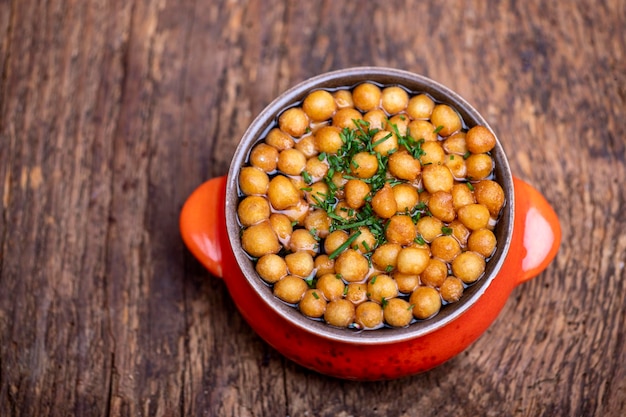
(112, 112)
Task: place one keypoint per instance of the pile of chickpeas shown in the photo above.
(370, 206)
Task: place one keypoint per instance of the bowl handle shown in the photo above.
(202, 224)
(541, 229)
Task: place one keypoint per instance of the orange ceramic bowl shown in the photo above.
(528, 236)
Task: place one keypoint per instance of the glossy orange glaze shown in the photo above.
(203, 230)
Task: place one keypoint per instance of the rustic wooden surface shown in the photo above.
(112, 112)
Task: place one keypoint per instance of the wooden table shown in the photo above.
(112, 112)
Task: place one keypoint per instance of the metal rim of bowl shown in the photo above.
(346, 78)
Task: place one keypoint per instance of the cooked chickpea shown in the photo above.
(253, 181)
(294, 122)
(260, 239)
(384, 202)
(413, 260)
(381, 287)
(271, 268)
(366, 96)
(435, 273)
(343, 99)
(356, 191)
(307, 146)
(345, 118)
(479, 166)
(452, 289)
(491, 195)
(462, 195)
(303, 240)
(445, 248)
(290, 289)
(253, 209)
(385, 142)
(394, 99)
(319, 105)
(437, 178)
(422, 129)
(300, 264)
(323, 265)
(434, 153)
(364, 165)
(400, 229)
(291, 161)
(446, 117)
(312, 304)
(403, 166)
(385, 256)
(317, 222)
(282, 193)
(331, 286)
(279, 139)
(365, 242)
(429, 228)
(480, 139)
(369, 315)
(356, 293)
(328, 139)
(474, 216)
(352, 265)
(441, 206)
(455, 144)
(406, 282)
(398, 312)
(420, 107)
(482, 241)
(406, 196)
(281, 225)
(339, 313)
(426, 302)
(264, 156)
(334, 241)
(377, 119)
(468, 266)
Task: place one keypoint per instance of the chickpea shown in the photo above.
(462, 195)
(316, 169)
(300, 264)
(385, 256)
(328, 139)
(253, 181)
(264, 156)
(441, 206)
(318, 192)
(385, 142)
(403, 166)
(352, 266)
(445, 248)
(400, 229)
(422, 129)
(382, 287)
(406, 196)
(291, 161)
(303, 240)
(429, 228)
(482, 241)
(282, 193)
(435, 273)
(452, 289)
(334, 241)
(279, 139)
(394, 99)
(455, 144)
(420, 107)
(376, 118)
(474, 216)
(480, 139)
(491, 195)
(324, 265)
(398, 313)
(290, 289)
(406, 282)
(457, 166)
(331, 286)
(318, 223)
(356, 191)
(343, 99)
(413, 260)
(307, 146)
(356, 293)
(345, 118)
(253, 209)
(281, 225)
(426, 302)
(434, 153)
(259, 239)
(319, 105)
(437, 178)
(384, 202)
(468, 266)
(294, 122)
(460, 232)
(479, 166)
(446, 117)
(339, 313)
(364, 165)
(312, 304)
(271, 268)
(369, 315)
(366, 96)
(365, 242)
